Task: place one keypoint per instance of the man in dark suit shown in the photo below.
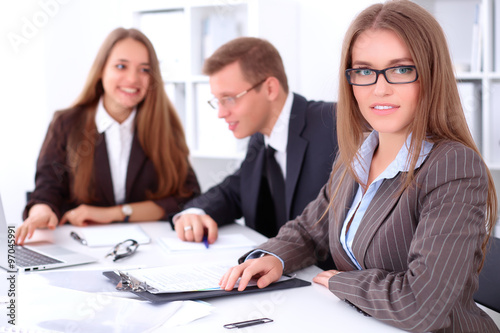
(248, 80)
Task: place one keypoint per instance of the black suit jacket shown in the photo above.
(53, 178)
(311, 150)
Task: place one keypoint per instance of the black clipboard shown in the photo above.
(194, 295)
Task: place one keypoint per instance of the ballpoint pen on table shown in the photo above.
(75, 236)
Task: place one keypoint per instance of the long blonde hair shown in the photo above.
(158, 127)
(439, 115)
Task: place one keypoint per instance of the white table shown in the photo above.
(305, 309)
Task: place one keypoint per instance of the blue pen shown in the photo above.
(205, 241)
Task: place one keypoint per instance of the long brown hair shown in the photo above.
(439, 115)
(158, 127)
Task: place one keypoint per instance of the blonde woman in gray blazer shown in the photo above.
(410, 204)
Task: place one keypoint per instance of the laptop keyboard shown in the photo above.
(26, 257)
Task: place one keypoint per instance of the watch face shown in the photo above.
(127, 210)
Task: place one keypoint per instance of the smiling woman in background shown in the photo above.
(119, 153)
(410, 204)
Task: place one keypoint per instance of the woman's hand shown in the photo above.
(323, 277)
(83, 214)
(39, 216)
(267, 269)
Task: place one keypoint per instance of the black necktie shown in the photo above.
(276, 185)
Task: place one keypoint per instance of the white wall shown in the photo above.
(322, 27)
(24, 98)
(47, 47)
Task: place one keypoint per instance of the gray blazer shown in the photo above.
(420, 249)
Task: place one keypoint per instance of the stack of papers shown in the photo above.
(181, 278)
(173, 243)
(185, 278)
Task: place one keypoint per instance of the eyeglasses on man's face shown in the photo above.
(394, 75)
(123, 249)
(230, 101)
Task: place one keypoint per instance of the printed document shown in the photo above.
(184, 278)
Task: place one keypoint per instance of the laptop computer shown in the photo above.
(36, 256)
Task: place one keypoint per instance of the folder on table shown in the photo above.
(186, 282)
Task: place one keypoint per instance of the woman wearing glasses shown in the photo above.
(410, 204)
(119, 153)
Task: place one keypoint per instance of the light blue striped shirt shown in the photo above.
(361, 168)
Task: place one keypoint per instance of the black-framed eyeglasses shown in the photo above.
(230, 101)
(394, 75)
(123, 249)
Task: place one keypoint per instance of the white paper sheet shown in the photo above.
(110, 235)
(76, 311)
(190, 311)
(184, 278)
(181, 278)
(173, 243)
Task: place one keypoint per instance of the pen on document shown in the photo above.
(205, 241)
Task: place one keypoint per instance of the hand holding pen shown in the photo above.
(193, 228)
(205, 240)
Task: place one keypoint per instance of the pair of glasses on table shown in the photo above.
(123, 249)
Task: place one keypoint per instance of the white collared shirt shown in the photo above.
(362, 201)
(118, 143)
(279, 135)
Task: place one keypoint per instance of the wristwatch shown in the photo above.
(127, 211)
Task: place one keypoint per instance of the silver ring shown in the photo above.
(188, 227)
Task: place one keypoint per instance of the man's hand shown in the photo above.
(192, 228)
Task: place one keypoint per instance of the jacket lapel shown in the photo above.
(296, 155)
(381, 206)
(345, 195)
(103, 183)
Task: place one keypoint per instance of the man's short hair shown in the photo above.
(257, 57)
